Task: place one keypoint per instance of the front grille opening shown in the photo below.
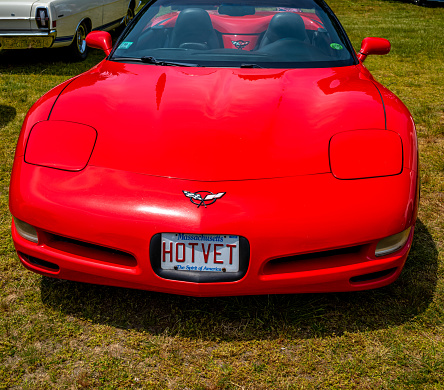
(46, 265)
(90, 251)
(372, 276)
(314, 261)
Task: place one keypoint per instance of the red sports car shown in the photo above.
(220, 149)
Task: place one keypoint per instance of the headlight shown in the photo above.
(360, 154)
(61, 145)
(26, 230)
(392, 243)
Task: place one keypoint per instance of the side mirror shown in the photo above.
(378, 46)
(100, 40)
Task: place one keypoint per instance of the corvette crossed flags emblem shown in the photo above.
(205, 198)
(240, 44)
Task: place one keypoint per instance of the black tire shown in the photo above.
(129, 15)
(78, 48)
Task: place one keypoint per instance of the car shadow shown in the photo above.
(7, 114)
(55, 62)
(256, 317)
(430, 3)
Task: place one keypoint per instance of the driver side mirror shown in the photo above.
(371, 45)
(100, 40)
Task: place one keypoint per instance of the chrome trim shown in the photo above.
(15, 18)
(28, 33)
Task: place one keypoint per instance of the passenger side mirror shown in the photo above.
(371, 45)
(100, 40)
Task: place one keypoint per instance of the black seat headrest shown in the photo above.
(193, 25)
(284, 25)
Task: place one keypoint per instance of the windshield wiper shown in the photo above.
(250, 66)
(153, 61)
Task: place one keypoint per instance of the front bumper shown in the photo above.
(306, 234)
(27, 39)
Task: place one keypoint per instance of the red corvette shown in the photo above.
(220, 149)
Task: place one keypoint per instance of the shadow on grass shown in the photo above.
(7, 114)
(428, 3)
(256, 317)
(55, 62)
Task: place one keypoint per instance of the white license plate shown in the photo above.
(200, 252)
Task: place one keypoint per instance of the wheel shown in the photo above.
(419, 2)
(129, 15)
(78, 48)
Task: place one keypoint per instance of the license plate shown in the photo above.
(200, 252)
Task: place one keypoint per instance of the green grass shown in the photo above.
(59, 334)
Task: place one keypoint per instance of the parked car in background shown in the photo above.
(425, 2)
(27, 24)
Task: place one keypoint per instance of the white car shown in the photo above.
(26, 24)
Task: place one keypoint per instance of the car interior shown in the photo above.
(239, 33)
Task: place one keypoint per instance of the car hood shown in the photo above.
(213, 124)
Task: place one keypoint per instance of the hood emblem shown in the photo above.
(240, 44)
(204, 198)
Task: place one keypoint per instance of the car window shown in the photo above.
(266, 34)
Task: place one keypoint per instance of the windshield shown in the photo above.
(249, 34)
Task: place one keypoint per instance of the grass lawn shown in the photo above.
(59, 334)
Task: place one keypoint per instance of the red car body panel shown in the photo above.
(360, 154)
(316, 167)
(74, 145)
